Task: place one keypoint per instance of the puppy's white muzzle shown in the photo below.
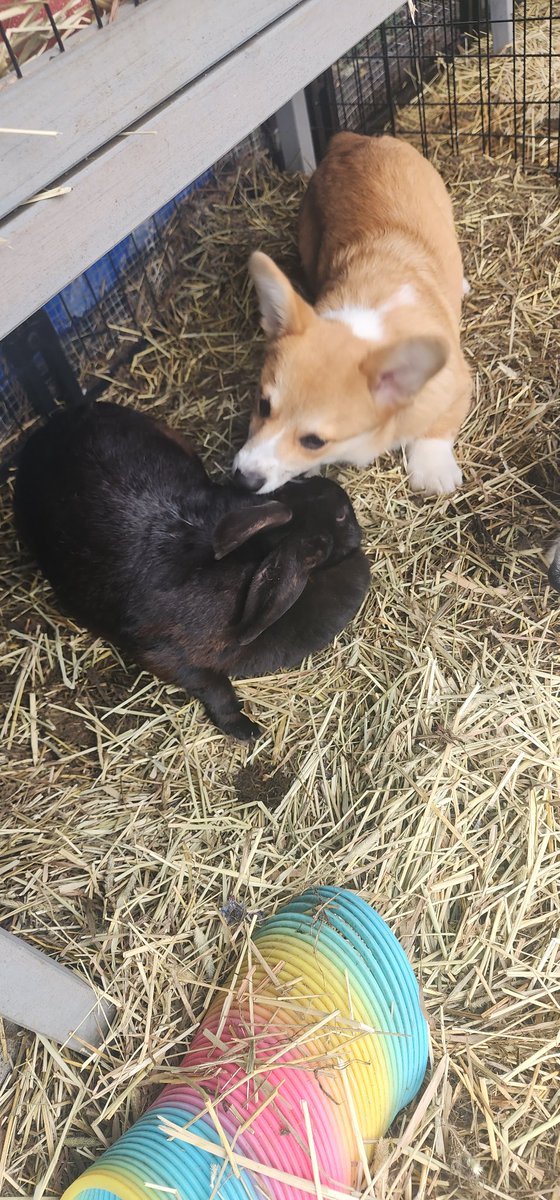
(258, 466)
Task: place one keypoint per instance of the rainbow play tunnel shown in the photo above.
(291, 1078)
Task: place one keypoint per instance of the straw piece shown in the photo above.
(32, 132)
(186, 1135)
(362, 1152)
(49, 194)
(312, 1152)
(222, 1136)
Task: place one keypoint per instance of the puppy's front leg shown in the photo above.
(432, 466)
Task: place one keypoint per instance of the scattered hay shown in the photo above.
(417, 759)
(529, 73)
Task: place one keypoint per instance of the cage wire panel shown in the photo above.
(490, 97)
(429, 73)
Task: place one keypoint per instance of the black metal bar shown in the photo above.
(549, 114)
(415, 46)
(54, 28)
(359, 91)
(11, 53)
(18, 354)
(97, 13)
(76, 335)
(44, 340)
(395, 41)
(37, 338)
(453, 39)
(514, 70)
(488, 78)
(387, 76)
(481, 97)
(468, 23)
(524, 101)
(323, 112)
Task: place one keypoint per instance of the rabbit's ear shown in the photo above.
(239, 526)
(277, 584)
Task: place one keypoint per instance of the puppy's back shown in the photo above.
(369, 187)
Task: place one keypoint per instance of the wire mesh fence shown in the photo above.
(465, 77)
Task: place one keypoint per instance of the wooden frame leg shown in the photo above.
(501, 23)
(39, 994)
(294, 135)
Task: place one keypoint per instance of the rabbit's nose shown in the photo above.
(250, 480)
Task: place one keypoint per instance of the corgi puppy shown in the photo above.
(377, 363)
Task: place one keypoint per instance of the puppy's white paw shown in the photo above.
(432, 467)
(466, 286)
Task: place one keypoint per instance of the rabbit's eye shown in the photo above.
(342, 516)
(264, 407)
(312, 442)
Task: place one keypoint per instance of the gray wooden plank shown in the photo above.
(46, 245)
(108, 79)
(39, 994)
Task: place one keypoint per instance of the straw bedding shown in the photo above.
(417, 759)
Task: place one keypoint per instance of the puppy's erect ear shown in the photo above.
(396, 373)
(239, 526)
(282, 310)
(278, 583)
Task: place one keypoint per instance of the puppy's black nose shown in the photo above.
(252, 482)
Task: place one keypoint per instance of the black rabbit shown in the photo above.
(195, 580)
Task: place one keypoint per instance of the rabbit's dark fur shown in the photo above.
(195, 580)
(554, 565)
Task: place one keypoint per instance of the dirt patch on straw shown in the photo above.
(417, 759)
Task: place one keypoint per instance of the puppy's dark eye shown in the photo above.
(264, 407)
(312, 442)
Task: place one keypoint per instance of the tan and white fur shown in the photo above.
(377, 363)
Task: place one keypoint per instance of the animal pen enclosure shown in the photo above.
(418, 760)
(515, 97)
